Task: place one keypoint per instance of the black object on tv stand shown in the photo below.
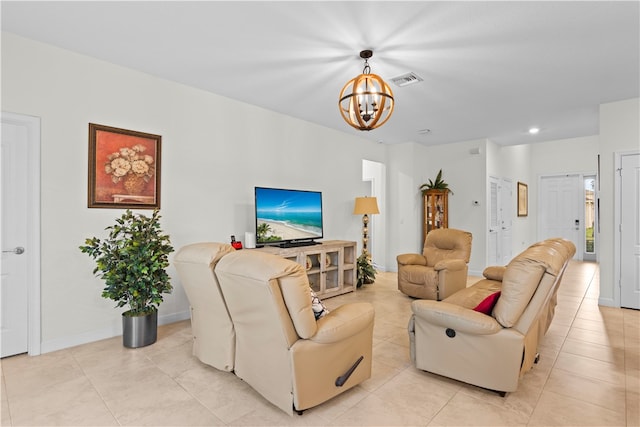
(298, 243)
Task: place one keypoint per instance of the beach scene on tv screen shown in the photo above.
(288, 215)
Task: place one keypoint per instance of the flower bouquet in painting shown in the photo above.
(131, 166)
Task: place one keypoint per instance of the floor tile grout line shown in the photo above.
(533, 400)
(592, 282)
(7, 399)
(626, 385)
(553, 365)
(104, 402)
(174, 380)
(193, 396)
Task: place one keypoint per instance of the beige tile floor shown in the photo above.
(589, 374)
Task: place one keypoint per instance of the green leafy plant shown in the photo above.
(438, 184)
(261, 233)
(133, 261)
(366, 273)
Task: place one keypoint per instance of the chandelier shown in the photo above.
(366, 101)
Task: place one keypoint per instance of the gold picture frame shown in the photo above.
(523, 199)
(124, 168)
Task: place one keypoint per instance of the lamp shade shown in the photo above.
(366, 205)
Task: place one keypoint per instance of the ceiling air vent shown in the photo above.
(407, 79)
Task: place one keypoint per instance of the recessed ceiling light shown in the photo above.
(424, 131)
(534, 131)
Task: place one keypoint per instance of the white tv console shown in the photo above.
(331, 265)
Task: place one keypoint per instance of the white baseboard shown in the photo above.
(608, 302)
(475, 273)
(83, 338)
(174, 317)
(112, 331)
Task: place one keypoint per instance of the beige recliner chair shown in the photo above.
(287, 356)
(442, 268)
(492, 346)
(213, 332)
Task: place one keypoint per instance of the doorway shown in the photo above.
(627, 243)
(500, 235)
(590, 218)
(20, 235)
(375, 174)
(506, 220)
(561, 209)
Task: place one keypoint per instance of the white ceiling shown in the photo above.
(490, 69)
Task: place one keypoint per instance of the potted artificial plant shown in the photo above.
(365, 271)
(438, 184)
(133, 261)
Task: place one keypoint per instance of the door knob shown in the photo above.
(17, 250)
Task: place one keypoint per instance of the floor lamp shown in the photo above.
(365, 206)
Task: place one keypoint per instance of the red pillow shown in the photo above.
(486, 305)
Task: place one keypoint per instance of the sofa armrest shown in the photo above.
(450, 264)
(411, 259)
(343, 322)
(495, 272)
(455, 317)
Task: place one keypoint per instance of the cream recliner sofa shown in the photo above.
(281, 351)
(493, 350)
(442, 268)
(213, 332)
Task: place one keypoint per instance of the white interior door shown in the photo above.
(561, 209)
(494, 256)
(14, 295)
(506, 220)
(500, 234)
(630, 231)
(19, 235)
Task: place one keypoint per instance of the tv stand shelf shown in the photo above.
(330, 265)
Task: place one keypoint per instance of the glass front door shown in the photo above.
(589, 218)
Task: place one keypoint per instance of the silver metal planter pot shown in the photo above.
(139, 331)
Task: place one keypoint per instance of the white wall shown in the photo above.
(619, 131)
(466, 175)
(566, 156)
(574, 155)
(411, 165)
(515, 163)
(526, 163)
(214, 151)
(406, 168)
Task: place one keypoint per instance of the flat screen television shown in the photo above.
(288, 217)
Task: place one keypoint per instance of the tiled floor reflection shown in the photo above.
(589, 375)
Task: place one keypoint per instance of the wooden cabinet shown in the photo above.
(435, 211)
(331, 265)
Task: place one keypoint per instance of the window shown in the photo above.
(589, 214)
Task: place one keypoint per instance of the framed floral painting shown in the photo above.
(124, 168)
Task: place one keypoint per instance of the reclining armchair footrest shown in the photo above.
(344, 377)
